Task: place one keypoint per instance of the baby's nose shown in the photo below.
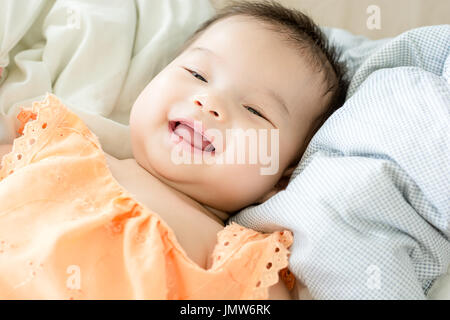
(217, 112)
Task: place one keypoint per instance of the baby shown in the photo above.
(254, 67)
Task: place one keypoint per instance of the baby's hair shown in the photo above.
(301, 31)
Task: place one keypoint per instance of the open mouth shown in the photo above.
(185, 130)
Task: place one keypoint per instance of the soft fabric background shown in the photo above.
(96, 56)
(396, 16)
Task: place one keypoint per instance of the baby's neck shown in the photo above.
(217, 214)
(150, 189)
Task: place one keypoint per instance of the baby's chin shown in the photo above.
(203, 186)
(227, 200)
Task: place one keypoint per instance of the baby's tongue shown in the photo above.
(192, 137)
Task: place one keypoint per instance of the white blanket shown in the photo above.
(96, 56)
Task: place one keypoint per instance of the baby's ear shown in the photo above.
(281, 184)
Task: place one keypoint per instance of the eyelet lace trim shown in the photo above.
(36, 130)
(24, 145)
(233, 237)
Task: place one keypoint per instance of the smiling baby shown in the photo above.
(255, 70)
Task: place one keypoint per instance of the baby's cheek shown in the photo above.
(246, 182)
(136, 136)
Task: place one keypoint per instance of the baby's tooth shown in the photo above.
(209, 148)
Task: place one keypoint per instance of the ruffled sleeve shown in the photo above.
(270, 264)
(46, 127)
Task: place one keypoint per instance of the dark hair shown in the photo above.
(301, 31)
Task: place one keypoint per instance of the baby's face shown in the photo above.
(238, 75)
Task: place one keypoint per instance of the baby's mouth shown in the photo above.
(186, 131)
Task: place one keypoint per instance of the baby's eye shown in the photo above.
(197, 75)
(254, 111)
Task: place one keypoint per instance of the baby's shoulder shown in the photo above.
(195, 231)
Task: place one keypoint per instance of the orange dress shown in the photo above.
(69, 230)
